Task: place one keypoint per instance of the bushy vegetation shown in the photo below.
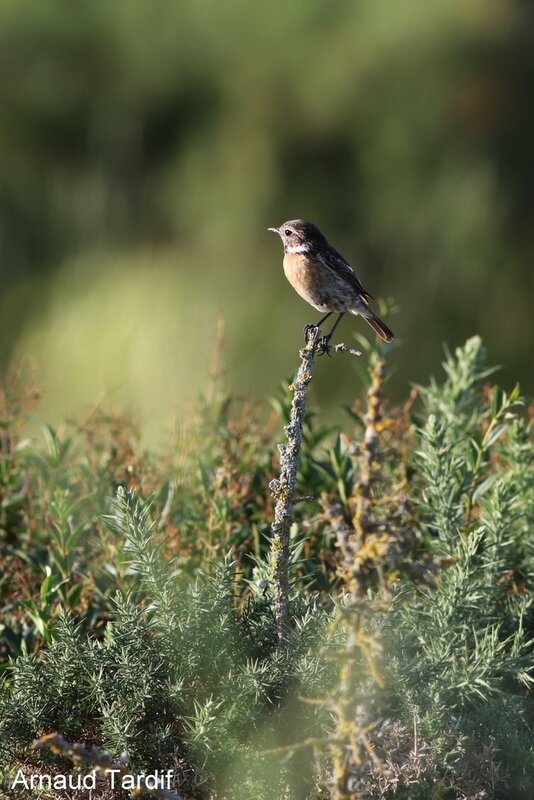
(138, 613)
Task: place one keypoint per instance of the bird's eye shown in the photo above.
(287, 232)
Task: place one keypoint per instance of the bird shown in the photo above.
(322, 277)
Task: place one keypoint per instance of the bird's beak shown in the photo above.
(274, 230)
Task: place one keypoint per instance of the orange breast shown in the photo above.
(303, 279)
(294, 270)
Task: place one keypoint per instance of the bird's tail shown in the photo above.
(379, 327)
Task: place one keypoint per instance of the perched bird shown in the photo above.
(323, 278)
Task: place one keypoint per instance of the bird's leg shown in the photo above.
(334, 326)
(308, 328)
(324, 341)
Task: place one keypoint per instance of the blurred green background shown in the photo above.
(145, 147)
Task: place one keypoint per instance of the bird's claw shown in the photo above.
(309, 331)
(323, 346)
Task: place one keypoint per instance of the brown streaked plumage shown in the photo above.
(322, 277)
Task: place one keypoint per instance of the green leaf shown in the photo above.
(73, 595)
(494, 434)
(496, 401)
(483, 487)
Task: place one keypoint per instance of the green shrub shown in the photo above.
(145, 626)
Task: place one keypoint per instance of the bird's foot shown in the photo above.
(311, 334)
(310, 331)
(323, 346)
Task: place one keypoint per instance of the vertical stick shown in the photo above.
(283, 489)
(360, 573)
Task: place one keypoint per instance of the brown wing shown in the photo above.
(335, 262)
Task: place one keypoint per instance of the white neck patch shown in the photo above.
(298, 248)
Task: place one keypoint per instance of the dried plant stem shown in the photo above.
(361, 570)
(370, 462)
(283, 489)
(101, 762)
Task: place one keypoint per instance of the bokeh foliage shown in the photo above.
(145, 148)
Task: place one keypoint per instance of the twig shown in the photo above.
(283, 489)
(342, 348)
(362, 551)
(101, 762)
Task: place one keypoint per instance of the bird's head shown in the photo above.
(299, 236)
